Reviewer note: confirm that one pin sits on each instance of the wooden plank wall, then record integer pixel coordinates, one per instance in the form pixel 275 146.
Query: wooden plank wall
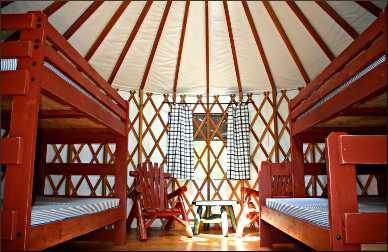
pixel 208 182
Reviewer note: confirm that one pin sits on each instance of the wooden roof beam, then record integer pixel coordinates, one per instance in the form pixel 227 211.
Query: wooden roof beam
pixel 283 34
pixel 53 7
pixel 234 54
pixel 130 39
pixel 77 24
pixel 338 19
pixel 181 42
pixel 369 6
pixel 311 30
pixel 107 29
pixel 5 3
pixel 259 45
pixel 155 45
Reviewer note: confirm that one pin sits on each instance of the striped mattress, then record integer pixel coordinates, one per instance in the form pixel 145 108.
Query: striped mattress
pixel 315 210
pixel 50 209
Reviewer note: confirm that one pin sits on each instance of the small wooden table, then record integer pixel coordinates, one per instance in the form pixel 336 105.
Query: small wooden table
pixel 226 210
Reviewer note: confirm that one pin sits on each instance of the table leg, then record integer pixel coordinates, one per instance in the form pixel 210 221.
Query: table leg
pixel 208 213
pixel 224 221
pixel 232 217
pixel 197 220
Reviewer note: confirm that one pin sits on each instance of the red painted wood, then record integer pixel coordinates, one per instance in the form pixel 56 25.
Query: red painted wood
pixel 297 166
pixel 19 178
pixel 340 77
pixel 16 49
pixel 14 82
pixel 369 6
pixel 82 19
pixel 44 236
pixel 54 7
pixel 342 193
pixel 106 30
pixel 55 85
pixel 128 44
pixel 45 114
pixel 155 44
pixel 362 42
pixel 8 224
pixel 353 149
pixel 310 234
pixel 79 169
pixel 365 228
pixel 259 44
pixel 17 21
pixel 150 199
pixel 11 150
pixel 369 85
pixel 73 136
pixel 59 62
pixel 63 46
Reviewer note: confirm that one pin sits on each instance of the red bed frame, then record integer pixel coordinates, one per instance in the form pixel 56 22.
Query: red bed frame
pixel 359 109
pixel 34 97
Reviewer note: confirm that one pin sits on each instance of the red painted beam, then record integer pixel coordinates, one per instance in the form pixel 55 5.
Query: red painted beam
pixel 82 19
pixel 107 29
pixel 155 45
pixel 365 228
pixel 370 149
pixel 79 169
pixel 54 7
pixel 17 21
pixel 11 150
pixel 131 38
pixel 16 49
pixel 14 82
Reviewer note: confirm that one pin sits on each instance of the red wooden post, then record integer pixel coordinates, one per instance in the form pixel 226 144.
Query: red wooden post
pixel 297 166
pixel 342 193
pixel 19 178
pixel 121 173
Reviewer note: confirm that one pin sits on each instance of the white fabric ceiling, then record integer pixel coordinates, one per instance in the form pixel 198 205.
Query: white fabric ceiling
pixel 192 74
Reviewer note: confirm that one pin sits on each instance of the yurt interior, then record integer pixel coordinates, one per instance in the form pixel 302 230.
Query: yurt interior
pixel 193 125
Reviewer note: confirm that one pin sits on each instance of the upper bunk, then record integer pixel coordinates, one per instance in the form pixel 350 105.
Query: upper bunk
pixel 350 93
pixel 72 93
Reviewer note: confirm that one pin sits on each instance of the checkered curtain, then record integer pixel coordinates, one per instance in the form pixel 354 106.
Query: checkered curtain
pixel 180 158
pixel 238 145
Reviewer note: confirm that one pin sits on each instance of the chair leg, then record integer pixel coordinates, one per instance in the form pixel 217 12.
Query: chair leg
pixel 142 231
pixel 131 216
pixel 185 218
pixel 168 224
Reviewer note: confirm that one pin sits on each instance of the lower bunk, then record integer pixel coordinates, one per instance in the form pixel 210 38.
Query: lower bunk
pixel 58 219
pixel 343 220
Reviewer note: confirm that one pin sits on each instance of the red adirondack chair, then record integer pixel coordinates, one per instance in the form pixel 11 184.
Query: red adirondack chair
pixel 150 200
pixel 250 214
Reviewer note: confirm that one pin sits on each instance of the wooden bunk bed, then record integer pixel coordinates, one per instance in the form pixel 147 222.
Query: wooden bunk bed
pixel 348 97
pixel 51 95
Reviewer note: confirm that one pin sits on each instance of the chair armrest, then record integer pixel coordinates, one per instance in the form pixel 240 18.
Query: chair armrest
pixel 250 191
pixel 135 174
pixel 179 191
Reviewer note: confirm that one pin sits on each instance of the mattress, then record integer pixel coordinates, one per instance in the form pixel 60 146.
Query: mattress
pixel 315 210
pixel 50 209
pixel 380 60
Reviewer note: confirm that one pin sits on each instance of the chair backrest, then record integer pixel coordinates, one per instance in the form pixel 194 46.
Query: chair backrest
pixel 150 181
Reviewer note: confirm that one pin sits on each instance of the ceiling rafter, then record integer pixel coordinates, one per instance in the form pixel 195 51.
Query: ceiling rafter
pixel 130 39
pixel 107 28
pixel 156 42
pixel 207 50
pixel 259 45
pixel 85 15
pixel 286 40
pixel 371 7
pixel 53 7
pixel 181 42
pixel 232 45
pixel 337 18
pixel 297 11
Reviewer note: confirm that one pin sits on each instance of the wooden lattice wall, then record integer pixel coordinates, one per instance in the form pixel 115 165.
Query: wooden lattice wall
pixel 210 177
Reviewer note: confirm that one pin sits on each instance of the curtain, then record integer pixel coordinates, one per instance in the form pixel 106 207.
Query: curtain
pixel 180 153
pixel 238 145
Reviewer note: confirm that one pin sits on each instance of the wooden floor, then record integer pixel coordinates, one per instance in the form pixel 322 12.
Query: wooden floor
pixel 175 240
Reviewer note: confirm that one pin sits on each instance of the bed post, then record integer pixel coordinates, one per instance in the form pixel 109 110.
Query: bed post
pixel 297 166
pixel 342 192
pixel 121 173
pixel 16 214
